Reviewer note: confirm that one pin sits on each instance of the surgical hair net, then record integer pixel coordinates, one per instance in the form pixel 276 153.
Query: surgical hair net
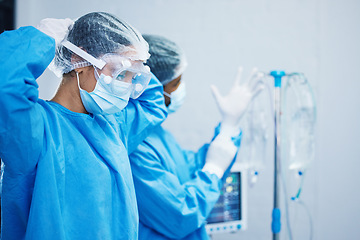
pixel 167 60
pixel 98 33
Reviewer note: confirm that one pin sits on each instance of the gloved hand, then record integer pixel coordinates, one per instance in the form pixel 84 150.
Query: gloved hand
pixel 220 155
pixel 55 28
pixel 233 106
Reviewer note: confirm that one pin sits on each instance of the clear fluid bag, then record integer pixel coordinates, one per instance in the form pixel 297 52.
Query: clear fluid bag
pixel 257 127
pixel 298 122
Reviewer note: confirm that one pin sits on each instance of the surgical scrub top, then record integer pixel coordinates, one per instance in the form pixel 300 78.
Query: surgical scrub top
pixel 67 175
pixel 174 195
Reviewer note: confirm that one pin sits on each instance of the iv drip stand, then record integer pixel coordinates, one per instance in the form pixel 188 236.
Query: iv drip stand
pixel 276 214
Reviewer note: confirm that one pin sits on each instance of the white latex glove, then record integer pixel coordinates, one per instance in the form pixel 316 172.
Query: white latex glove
pixel 55 28
pixel 220 154
pixel 233 106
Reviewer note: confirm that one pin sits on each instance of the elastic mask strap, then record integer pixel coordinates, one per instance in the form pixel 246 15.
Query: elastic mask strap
pixel 78 81
pixel 166 94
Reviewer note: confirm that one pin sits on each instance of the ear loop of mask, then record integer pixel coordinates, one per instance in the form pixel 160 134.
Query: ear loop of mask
pixel 167 94
pixel 78 81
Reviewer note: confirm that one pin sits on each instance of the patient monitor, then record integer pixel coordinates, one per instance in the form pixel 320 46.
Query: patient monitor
pixel 229 213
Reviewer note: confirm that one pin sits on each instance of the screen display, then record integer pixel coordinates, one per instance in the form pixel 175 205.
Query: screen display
pixel 228 207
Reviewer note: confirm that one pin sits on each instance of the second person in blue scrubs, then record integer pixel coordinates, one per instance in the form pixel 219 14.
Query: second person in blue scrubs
pixel 176 189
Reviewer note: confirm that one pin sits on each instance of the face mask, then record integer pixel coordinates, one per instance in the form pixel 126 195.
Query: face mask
pixel 103 102
pixel 177 98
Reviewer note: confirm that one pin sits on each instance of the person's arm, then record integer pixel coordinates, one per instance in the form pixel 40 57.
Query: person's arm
pixel 167 206
pixel 197 160
pixel 144 113
pixel 25 53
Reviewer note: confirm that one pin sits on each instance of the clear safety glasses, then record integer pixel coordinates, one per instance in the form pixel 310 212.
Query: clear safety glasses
pixel 133 74
pixel 121 74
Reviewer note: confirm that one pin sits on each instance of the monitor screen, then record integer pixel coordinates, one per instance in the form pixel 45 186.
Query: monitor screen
pixel 228 207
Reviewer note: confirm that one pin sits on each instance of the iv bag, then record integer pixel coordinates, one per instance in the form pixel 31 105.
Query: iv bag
pixel 256 128
pixel 299 117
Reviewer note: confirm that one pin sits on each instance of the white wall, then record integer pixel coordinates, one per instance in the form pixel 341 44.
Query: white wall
pixel 317 37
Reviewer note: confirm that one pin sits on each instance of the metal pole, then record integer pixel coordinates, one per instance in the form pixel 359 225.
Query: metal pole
pixel 276 214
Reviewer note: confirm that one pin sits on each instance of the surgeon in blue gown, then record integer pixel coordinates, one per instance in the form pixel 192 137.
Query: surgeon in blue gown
pixel 176 188
pixel 67 173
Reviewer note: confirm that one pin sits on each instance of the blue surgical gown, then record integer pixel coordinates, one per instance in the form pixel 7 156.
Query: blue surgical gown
pixel 67 175
pixel 174 195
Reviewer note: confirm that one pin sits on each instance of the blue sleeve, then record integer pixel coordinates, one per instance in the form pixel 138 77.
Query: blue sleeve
pixel 144 113
pixel 167 206
pixel 196 160
pixel 25 53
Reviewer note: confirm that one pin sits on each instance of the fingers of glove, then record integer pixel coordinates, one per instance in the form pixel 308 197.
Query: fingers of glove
pixel 253 77
pixel 248 81
pixel 256 79
pixel 217 95
pixel 238 76
pixel 257 90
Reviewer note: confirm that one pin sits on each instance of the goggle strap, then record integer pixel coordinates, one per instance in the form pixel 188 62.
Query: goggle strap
pixel 78 51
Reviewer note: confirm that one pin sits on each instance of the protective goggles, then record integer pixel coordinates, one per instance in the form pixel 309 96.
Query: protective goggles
pixel 116 69
pixel 121 69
